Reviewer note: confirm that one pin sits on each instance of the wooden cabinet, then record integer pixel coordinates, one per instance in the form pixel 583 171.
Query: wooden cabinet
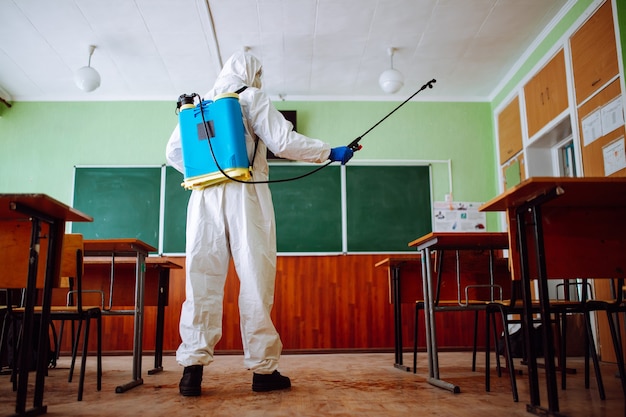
pixel 510 131
pixel 593 76
pixel 594 53
pixel 592 154
pixel 594 64
pixel 546 94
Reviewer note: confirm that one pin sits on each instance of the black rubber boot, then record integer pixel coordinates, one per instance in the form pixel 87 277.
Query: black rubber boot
pixel 190 383
pixel 269 382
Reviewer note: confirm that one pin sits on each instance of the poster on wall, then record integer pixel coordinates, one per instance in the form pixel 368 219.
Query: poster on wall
pixel 612 116
pixel 614 157
pixel 602 121
pixel 458 216
pixel 592 127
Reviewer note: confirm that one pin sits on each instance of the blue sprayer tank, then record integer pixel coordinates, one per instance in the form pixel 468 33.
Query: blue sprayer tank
pixel 222 120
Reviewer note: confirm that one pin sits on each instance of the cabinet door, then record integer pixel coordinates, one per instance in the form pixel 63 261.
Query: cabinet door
pixel 509 131
pixel 546 94
pixel 594 53
pixel 592 154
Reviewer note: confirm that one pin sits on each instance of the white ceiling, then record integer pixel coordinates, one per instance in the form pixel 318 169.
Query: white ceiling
pixel 159 49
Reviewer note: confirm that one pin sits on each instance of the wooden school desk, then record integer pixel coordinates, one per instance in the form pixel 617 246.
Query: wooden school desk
pixel 113 249
pixel 404 275
pixel 33 225
pixel 561 228
pixel 99 271
pixel 447 241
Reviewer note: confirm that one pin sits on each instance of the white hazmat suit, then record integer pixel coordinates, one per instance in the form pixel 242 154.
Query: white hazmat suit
pixel 235 219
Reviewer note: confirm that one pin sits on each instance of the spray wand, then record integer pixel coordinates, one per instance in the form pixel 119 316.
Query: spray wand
pixel 354 145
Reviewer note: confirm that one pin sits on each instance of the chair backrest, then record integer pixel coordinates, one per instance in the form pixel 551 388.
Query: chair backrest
pixel 476 266
pixel 72 269
pixel 15 237
pixel 71 265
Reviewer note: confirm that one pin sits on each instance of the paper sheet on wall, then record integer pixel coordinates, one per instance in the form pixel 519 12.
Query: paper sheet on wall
pixel 614 156
pixel 458 217
pixel 592 127
pixel 612 116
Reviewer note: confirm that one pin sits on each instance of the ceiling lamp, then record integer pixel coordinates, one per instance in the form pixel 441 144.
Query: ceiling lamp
pixel 391 80
pixel 87 78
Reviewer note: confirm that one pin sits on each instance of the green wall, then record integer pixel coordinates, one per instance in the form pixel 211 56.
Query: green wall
pixel 42 141
pixel 621 21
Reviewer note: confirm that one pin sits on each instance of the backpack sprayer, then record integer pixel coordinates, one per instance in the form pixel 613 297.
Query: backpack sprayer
pixel 220 120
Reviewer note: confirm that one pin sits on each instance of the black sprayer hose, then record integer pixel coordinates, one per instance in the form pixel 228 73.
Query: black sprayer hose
pixel 354 145
pixel 250 182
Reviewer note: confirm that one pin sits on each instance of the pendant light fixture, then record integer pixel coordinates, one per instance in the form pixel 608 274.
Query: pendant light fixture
pixel 391 80
pixel 87 78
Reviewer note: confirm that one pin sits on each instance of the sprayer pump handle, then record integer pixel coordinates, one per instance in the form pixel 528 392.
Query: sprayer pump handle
pixel 354 145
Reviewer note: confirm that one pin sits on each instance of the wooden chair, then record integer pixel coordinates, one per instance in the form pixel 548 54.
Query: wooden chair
pixel 72 270
pixel 612 308
pixel 4 332
pixel 467 295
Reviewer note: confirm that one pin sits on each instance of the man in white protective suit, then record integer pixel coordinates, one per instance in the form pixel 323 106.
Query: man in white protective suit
pixel 236 219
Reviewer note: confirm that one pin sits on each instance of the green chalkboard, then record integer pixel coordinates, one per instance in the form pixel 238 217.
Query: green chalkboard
pixel 387 207
pixel 124 202
pixel 307 210
pixel 175 212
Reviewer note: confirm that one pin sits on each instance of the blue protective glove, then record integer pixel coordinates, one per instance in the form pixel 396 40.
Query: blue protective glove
pixel 340 154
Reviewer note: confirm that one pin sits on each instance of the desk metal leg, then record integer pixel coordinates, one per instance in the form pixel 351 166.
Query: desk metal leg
pixel 533 207
pixel 397 318
pixel 548 345
pixel 431 334
pixel 27 323
pixel 53 267
pixel 527 316
pixel 55 234
pixel 160 321
pixel 138 325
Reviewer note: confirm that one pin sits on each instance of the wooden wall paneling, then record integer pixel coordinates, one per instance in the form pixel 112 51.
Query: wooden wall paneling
pixel 322 303
pixel 176 296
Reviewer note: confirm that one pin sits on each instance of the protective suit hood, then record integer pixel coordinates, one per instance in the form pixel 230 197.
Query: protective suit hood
pixel 240 69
